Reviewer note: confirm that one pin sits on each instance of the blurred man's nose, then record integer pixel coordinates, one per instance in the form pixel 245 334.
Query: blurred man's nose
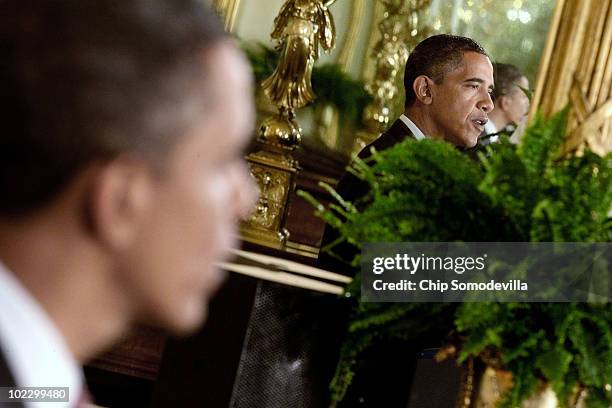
pixel 247 192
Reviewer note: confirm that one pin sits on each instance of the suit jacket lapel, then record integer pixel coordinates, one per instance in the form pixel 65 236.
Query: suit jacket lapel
pixel 399 130
pixel 395 134
pixel 6 377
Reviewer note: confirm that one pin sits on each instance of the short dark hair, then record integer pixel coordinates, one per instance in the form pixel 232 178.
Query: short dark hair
pixel 435 57
pixel 506 77
pixel 87 80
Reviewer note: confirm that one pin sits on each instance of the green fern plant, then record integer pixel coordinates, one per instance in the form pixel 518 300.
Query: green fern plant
pixel 427 191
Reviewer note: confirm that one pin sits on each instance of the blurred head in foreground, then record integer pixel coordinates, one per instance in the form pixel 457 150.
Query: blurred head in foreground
pixel 122 177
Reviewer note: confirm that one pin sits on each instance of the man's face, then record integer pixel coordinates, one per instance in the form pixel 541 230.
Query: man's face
pixel 460 103
pixel 195 204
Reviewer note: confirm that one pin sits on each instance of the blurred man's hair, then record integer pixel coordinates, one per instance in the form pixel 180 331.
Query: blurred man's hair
pixel 86 80
pixel 435 57
pixel 506 78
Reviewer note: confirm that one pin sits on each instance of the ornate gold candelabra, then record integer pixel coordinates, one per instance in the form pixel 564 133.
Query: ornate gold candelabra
pixel 399 28
pixel 300 29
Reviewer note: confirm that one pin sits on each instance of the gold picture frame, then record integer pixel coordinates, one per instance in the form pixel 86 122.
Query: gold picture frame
pixel 576 69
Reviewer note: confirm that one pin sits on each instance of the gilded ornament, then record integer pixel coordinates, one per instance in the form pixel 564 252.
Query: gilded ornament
pixel 300 28
pixel 397 28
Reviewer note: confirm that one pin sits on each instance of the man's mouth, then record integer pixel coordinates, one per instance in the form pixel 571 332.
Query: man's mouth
pixel 479 123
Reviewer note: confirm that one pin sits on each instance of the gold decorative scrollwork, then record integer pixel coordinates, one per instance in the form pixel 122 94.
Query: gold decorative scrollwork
pixel 275 176
pixel 272 197
pixel 399 28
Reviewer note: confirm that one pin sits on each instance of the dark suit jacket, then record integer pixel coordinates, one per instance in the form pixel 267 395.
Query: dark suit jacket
pixel 352 188
pixel 7 379
pixel 388 369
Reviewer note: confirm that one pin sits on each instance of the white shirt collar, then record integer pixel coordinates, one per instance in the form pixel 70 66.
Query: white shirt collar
pixel 418 135
pixel 35 350
pixel 489 129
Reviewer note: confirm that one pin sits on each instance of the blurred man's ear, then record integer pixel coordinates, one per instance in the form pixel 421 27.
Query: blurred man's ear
pixel 422 90
pixel 121 196
pixel 504 102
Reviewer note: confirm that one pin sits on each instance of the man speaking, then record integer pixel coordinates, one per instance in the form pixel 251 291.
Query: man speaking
pixel 448 83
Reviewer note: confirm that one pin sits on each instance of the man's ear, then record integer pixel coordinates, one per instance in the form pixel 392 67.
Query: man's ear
pixel 422 90
pixel 504 103
pixel 120 197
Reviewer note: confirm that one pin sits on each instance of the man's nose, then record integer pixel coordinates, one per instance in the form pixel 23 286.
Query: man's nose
pixel 486 103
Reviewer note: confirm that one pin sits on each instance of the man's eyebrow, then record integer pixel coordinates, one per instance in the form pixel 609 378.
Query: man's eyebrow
pixel 479 80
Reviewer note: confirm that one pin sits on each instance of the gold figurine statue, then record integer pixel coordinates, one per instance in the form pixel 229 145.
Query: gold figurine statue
pixel 300 28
